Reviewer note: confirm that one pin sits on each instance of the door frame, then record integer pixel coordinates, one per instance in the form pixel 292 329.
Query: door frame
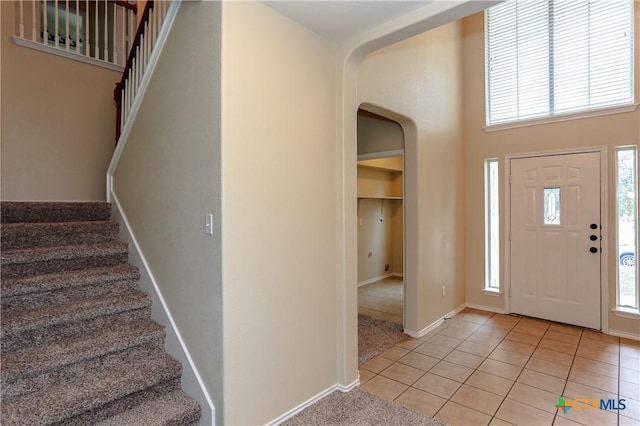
pixel 396 153
pixel 604 220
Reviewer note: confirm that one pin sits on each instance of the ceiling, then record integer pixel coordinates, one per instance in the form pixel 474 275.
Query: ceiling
pixel 340 20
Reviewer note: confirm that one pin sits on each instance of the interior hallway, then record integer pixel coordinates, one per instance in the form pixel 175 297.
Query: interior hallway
pixel 481 368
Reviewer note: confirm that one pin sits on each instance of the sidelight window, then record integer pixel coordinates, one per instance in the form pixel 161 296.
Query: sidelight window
pixel 627 230
pixel 492 226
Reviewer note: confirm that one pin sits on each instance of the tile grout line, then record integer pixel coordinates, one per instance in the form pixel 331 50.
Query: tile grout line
pixel 476 369
pixel 450 350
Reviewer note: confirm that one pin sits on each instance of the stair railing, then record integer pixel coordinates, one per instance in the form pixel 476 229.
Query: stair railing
pixel 125 92
pixel 96 31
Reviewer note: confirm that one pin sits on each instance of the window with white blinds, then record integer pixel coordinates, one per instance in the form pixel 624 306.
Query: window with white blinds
pixel 558 56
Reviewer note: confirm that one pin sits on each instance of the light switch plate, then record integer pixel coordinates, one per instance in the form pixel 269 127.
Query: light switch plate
pixel 208 224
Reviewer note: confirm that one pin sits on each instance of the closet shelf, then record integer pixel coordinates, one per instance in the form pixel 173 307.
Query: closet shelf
pixel 377 197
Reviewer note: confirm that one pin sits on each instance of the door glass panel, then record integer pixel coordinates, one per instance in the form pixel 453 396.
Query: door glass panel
pixel 551 197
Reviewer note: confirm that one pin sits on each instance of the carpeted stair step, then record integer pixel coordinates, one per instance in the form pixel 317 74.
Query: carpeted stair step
pixel 30 235
pixel 78 345
pixel 17 322
pixel 68 351
pixel 125 403
pixel 62 280
pixel 52 333
pixel 93 393
pixel 25 211
pixel 48 260
pixel 175 408
pixel 54 378
pixel 18 294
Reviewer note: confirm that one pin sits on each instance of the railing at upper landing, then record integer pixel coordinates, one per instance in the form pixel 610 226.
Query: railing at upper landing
pixel 144 43
pixel 99 32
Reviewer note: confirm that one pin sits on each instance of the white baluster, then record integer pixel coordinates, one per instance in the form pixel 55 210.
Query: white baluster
pixel 21 19
pixel 132 34
pixel 137 68
pixel 56 26
pixel 130 86
pixel 78 27
pixel 115 32
pixel 129 90
pixel 150 35
pixel 143 49
pixel 45 19
pixel 87 46
pixel 33 20
pixel 66 20
pixel 135 77
pixel 146 45
pixel 123 99
pixel 96 51
pixel 158 24
pixel 106 36
pixel 123 31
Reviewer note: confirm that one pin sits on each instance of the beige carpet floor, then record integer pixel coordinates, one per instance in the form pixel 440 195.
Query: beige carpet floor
pixel 358 408
pixel 376 336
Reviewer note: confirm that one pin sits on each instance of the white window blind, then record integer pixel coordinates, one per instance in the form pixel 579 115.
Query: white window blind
pixel 557 56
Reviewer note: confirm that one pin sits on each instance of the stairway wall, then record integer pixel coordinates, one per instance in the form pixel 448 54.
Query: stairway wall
pixel 58 122
pixel 168 178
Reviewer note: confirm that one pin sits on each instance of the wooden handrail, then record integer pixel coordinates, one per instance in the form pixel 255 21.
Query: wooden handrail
pixel 126 5
pixel 117 92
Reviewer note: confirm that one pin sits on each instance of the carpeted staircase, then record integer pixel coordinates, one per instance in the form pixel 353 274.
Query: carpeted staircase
pixel 77 339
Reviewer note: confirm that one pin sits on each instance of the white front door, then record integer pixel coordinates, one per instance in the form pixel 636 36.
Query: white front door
pixel 555 238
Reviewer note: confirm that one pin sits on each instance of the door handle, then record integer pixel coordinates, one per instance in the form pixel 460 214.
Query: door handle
pixel 593 250
pixel 594 226
pixel 593 237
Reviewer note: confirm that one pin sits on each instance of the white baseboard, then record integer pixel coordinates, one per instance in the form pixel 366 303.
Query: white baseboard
pixel 191 382
pixel 397 274
pixel 350 387
pixel 312 400
pixel 374 279
pixel 485 308
pixel 624 334
pixel 436 323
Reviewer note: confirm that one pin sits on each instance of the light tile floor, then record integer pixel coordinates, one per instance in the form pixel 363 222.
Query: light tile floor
pixel 382 299
pixel 481 368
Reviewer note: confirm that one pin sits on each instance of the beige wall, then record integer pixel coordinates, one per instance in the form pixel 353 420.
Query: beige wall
pixel 375 238
pixel 58 123
pixel 397 233
pixel 379 243
pixel 421 79
pixel 168 178
pixel 609 131
pixel 279 192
